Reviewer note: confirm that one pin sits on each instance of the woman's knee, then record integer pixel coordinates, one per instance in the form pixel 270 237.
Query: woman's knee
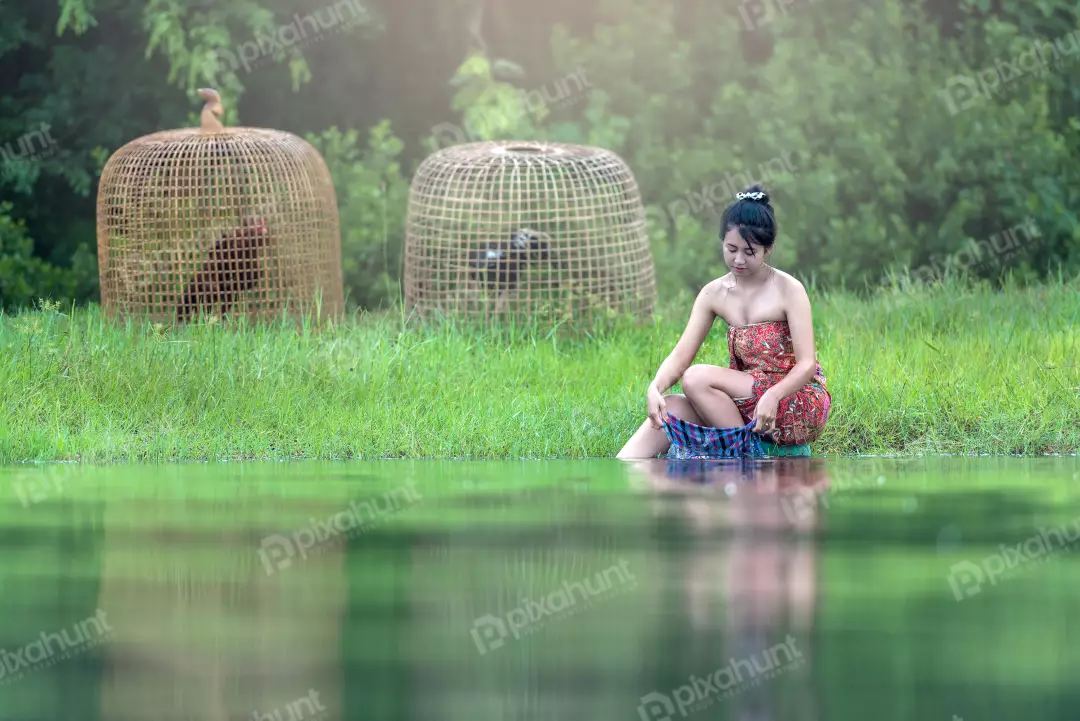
pixel 700 381
pixel 681 407
pixel 695 380
pixel 705 382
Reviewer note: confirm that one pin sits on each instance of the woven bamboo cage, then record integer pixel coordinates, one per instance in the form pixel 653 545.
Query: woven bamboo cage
pixel 526 229
pixel 218 221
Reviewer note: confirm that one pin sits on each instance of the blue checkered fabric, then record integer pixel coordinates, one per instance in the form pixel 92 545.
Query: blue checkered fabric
pixel 689 440
pixel 693 470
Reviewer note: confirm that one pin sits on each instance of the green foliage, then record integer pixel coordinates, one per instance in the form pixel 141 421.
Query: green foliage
pixel 75 14
pixel 25 277
pixel 490 107
pixel 847 110
pixel 372 199
pixel 847 121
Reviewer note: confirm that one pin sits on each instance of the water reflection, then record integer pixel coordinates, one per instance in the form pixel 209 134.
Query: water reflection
pixel 547 593
pixel 51 636
pixel 559 603
pixel 202 629
pixel 744 558
pixel 527 606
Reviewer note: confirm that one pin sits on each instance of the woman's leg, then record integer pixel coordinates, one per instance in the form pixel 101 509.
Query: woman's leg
pixel 711 388
pixel 648 441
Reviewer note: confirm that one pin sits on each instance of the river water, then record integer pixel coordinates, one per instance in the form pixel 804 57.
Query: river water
pixel 841 590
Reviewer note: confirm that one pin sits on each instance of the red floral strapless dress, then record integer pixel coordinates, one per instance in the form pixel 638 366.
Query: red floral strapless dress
pixel 764 350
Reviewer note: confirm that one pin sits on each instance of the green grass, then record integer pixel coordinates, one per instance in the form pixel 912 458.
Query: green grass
pixel 918 370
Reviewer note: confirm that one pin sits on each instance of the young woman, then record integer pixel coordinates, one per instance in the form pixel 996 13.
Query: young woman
pixel 774 378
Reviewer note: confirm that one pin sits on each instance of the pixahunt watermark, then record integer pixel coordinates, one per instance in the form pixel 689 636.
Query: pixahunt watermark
pixel 800 503
pixel 965 91
pixel 278 551
pixel 305 708
pixel 36 144
pixel 966 579
pixel 731 678
pixel 489 632
pixel 716 196
pixel 561 93
pixel 33 488
pixel 304 30
pixel 757 14
pixel 52 648
pixel 988 253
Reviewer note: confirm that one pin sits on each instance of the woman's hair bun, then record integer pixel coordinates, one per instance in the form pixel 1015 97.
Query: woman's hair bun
pixel 752 213
pixel 755 193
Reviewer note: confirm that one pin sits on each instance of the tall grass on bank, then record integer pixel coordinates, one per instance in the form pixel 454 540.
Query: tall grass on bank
pixel 942 369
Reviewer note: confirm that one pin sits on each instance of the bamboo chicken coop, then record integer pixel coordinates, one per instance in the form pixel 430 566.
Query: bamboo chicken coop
pixel 218 221
pixel 509 228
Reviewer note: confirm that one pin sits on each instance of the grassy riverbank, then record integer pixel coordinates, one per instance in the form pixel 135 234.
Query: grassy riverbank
pixel 926 370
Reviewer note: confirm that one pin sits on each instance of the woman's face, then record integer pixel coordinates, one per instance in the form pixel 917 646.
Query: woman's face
pixel 743 258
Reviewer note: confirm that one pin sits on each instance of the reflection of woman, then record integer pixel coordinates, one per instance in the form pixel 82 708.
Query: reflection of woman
pixel 771 585
pixel 202 630
pixel 764 578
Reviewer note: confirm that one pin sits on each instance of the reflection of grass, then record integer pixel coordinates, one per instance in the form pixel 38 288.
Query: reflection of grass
pixel 893 610
pixel 930 370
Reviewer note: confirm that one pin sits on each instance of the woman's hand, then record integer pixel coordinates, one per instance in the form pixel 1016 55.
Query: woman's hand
pixel 657 406
pixel 765 413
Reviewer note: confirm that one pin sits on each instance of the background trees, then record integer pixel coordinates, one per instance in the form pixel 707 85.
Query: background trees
pixel 894 134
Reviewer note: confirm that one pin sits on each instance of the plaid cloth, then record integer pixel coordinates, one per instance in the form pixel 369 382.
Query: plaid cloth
pixel 694 470
pixel 689 440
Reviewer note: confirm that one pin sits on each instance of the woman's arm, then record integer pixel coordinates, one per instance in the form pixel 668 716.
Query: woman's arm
pixel 698 326
pixel 801 323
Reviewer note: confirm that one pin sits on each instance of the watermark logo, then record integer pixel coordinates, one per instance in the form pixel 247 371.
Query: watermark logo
pixel 305 708
pixel 34 488
pixel 560 93
pixel 756 14
pixel 966 91
pixel 301 32
pixel 960 93
pixel 52 648
pixel 571 89
pixel 278 551
pixel 967 579
pixel 736 675
pixel 716 196
pixel 800 503
pixel 489 632
pixel 991 252
pixel 36 144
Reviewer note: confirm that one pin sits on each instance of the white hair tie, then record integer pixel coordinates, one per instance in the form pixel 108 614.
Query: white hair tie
pixel 757 195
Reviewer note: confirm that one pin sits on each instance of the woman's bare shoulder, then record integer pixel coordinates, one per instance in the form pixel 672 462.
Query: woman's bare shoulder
pixel 715 290
pixel 795 299
pixel 786 278
pixel 720 285
pixel 789 284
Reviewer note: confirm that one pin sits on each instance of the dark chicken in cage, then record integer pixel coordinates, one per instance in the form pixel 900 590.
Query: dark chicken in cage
pixel 498 265
pixel 526 229
pixel 233 266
